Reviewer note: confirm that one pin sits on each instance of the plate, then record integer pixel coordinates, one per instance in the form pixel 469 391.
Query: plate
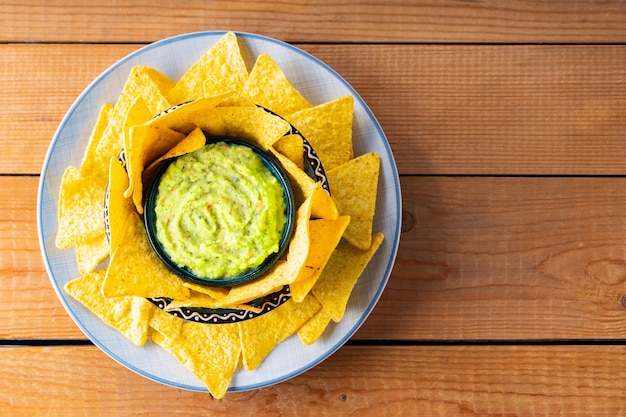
pixel 318 83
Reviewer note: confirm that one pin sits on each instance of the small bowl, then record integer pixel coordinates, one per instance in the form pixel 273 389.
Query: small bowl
pixel 150 221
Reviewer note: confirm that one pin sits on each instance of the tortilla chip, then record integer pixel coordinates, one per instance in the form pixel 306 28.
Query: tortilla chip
pixel 80 216
pixel 324 237
pixel 328 128
pixel 179 118
pixel 91 253
pixel 217 293
pixel 165 323
pixel 301 183
pixel 135 269
pixel 210 351
pixel 146 145
pixel 279 275
pixel 249 123
pixel 119 207
pixel 314 328
pixel 345 266
pixel 91 164
pixel 322 205
pixel 129 315
pixel 262 334
pixel 291 146
pixel 268 86
pixel 192 142
pixel 354 186
pixel 223 62
pixel 144 82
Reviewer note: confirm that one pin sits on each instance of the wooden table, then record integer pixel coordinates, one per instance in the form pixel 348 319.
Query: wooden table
pixel 508 124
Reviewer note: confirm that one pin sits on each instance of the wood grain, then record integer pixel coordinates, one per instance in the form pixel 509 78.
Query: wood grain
pixel 374 381
pixel 451 109
pixel 481 259
pixel 531 21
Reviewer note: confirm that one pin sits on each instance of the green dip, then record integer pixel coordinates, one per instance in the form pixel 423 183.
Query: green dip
pixel 219 211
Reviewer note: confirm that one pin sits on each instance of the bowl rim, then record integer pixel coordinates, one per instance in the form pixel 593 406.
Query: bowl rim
pixel 274 166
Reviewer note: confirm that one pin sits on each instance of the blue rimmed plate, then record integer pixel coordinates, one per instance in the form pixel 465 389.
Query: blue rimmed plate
pixel 318 83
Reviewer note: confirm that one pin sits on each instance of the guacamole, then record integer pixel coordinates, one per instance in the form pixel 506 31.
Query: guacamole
pixel 219 211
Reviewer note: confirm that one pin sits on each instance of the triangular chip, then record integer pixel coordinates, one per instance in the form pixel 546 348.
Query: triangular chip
pixel 118 206
pixel 129 315
pixel 165 323
pixel 179 117
pixel 192 142
pixel 341 273
pixel 144 82
pixel 135 269
pixel 262 334
pixel 268 86
pixel 222 62
pixel 146 145
pixel 328 128
pixel 210 351
pixel 80 216
pixel 279 275
pixel 91 164
pixel 301 183
pixel 354 186
pixel 91 253
pixel 324 236
pixel 292 147
pixel 314 328
pixel 322 205
pixel 217 293
pixel 249 123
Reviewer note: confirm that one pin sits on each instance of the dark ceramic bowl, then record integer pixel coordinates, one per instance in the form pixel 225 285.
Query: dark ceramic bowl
pixel 150 221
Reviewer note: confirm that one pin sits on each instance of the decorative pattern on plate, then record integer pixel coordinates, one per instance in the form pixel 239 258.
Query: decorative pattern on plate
pixel 258 307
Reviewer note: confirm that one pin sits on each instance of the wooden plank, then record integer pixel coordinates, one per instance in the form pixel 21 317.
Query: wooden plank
pixel 523 381
pixel 480 258
pixel 469 110
pixel 32 309
pixel 319 21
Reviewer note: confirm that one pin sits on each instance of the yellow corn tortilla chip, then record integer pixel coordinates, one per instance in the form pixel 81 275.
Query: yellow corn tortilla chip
pixel 129 315
pixel 165 323
pixel 119 207
pixel 249 123
pixel 217 293
pixel 301 183
pixel 353 187
pixel 279 275
pixel 322 205
pixel 195 299
pixel 91 253
pixel 80 216
pixel 324 237
pixel 146 144
pixel 192 142
pixel 223 62
pixel 314 328
pixel 212 88
pixel 291 147
pixel 268 86
pixel 328 128
pixel 134 268
pixel 335 284
pixel 179 117
pixel 262 334
pixel 91 164
pixel 144 82
pixel 210 351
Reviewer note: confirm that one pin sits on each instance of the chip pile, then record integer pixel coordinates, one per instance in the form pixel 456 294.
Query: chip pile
pixel 156 118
